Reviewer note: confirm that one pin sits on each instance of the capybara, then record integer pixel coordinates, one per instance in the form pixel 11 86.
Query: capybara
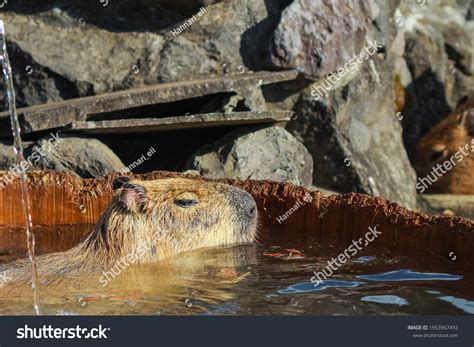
pixel 444 157
pixel 147 221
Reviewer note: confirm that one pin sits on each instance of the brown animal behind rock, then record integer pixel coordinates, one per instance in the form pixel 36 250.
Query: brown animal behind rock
pixel 148 221
pixel 451 140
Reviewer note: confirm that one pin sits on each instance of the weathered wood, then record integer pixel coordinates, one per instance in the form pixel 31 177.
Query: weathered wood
pixel 59 114
pixel 180 122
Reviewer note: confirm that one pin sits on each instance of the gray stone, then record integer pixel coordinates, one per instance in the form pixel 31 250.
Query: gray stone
pixel 269 153
pixel 354 136
pixel 318 37
pixel 88 60
pixel 439 56
pixel 84 157
pixel 7 155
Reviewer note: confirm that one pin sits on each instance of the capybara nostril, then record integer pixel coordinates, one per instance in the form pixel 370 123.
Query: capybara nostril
pixel 247 203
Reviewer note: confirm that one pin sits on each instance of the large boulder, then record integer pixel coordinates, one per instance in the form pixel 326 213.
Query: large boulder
pixel 89 60
pixel 355 137
pixel 351 128
pixel 270 153
pixel 318 37
pixel 79 156
pixel 84 157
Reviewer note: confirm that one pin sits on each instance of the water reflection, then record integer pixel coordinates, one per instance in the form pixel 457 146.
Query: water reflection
pixel 245 280
pixel 409 275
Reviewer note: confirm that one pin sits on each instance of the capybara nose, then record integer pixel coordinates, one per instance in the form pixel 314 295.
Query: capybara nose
pixel 247 203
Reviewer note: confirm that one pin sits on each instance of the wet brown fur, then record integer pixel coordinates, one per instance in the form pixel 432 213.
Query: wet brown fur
pixel 441 143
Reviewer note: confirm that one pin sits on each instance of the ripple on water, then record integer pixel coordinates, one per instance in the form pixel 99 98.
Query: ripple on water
pixel 408 275
pixel 364 259
pixel 386 299
pixel 463 304
pixel 307 287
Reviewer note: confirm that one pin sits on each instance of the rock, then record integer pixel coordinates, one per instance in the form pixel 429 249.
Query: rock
pixel 90 60
pixel 182 57
pixel 438 54
pixel 352 130
pixel 84 157
pixel 318 37
pixel 355 137
pixel 7 156
pixel 269 153
pixel 35 84
pixel 104 49
pixel 227 39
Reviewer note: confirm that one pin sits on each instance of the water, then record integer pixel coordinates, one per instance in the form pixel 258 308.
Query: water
pixel 268 278
pixel 19 159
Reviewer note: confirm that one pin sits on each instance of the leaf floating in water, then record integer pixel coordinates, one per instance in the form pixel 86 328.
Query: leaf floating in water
pixel 408 275
pixel 287 254
pixel 241 277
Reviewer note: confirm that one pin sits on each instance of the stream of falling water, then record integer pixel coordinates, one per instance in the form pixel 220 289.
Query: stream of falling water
pixel 18 148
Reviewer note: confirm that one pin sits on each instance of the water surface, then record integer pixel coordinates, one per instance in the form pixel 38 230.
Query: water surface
pixel 269 278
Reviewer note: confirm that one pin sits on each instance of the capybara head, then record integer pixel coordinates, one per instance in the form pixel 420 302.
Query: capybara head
pixel 449 147
pixel 168 216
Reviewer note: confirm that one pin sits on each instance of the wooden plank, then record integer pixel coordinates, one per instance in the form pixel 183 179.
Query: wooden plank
pixel 180 122
pixel 59 114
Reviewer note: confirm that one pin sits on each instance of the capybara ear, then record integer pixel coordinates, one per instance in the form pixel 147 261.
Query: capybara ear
pixel 467 120
pixel 133 195
pixel 119 182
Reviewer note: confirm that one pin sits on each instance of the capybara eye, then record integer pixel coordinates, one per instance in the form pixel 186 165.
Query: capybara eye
pixel 438 151
pixel 185 203
pixel 436 155
pixel 120 181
